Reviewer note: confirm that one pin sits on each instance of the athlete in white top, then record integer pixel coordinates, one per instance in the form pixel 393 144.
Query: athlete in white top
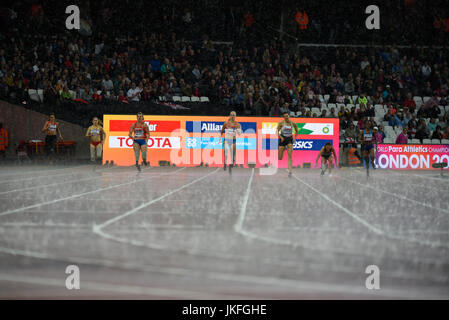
pixel 231 129
pixel 287 138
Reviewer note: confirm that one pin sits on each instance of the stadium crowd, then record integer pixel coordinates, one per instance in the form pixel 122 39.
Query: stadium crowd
pixel 258 73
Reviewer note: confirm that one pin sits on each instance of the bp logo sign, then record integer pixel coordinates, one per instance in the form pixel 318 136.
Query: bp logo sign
pixel 326 130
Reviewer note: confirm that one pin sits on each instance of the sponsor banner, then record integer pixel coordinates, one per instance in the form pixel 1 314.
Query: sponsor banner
pixel 403 156
pixel 215 126
pixel 318 129
pixel 300 144
pixel 216 143
pixel 154 126
pixel 198 141
pixel 153 142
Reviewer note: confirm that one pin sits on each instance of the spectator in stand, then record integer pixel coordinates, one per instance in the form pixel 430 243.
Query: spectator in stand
pixel 409 103
pixel 432 125
pixel 133 93
pixel 445 135
pixel 422 131
pixel 65 94
pixel 382 132
pixel 332 113
pixel 363 100
pixel 122 98
pixel 437 133
pixel 402 138
pixel 377 136
pixel 407 118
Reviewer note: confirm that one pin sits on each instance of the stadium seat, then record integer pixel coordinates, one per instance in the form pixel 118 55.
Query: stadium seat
pixel 444 141
pixel 418 101
pixel 176 99
pixel 435 141
pixel 354 98
pixel 415 141
pixel 326 97
pixel 349 106
pixel 204 99
pixel 298 114
pixel 40 93
pixel 389 141
pixel 185 99
pixel 332 105
pixel 194 99
pixel 292 114
pixel 425 99
pixel 320 96
pixel 33 95
pixel 316 110
pixel 427 141
pixel 446 108
pixel 73 93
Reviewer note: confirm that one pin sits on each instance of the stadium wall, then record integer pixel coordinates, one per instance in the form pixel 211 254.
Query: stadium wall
pixel 26 124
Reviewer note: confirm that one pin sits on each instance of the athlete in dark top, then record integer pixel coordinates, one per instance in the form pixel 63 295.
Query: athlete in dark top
pixel 326 156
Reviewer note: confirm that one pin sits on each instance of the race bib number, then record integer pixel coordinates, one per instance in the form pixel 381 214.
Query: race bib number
pixel 138 133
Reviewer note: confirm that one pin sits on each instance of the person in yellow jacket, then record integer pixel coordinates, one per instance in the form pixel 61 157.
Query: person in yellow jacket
pixel 3 141
pixel 97 137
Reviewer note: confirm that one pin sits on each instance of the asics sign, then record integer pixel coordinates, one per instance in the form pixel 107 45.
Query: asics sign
pixel 300 144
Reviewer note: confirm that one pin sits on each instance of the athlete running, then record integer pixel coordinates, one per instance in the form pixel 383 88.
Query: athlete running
pixel 286 139
pixel 367 139
pixel 97 137
pixel 141 134
pixel 51 128
pixel 231 129
pixel 326 158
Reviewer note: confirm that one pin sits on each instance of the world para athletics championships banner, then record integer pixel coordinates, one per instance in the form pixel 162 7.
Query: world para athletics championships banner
pixel 192 140
pixel 409 156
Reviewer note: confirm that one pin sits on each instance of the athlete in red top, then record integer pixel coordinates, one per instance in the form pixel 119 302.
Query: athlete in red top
pixel 141 134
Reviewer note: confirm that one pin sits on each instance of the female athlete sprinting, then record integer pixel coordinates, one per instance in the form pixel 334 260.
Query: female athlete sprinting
pixel 97 137
pixel 51 128
pixel 367 138
pixel 326 158
pixel 141 134
pixel 230 128
pixel 286 139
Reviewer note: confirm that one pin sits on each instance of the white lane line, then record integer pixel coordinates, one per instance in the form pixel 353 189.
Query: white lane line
pixel 97 228
pixel 348 212
pixel 48 185
pixel 424 175
pixel 410 184
pixel 100 177
pixel 75 196
pixel 121 289
pixel 51 175
pixel 397 195
pixel 299 286
pixel 240 220
pixel 41 171
pixel 368 225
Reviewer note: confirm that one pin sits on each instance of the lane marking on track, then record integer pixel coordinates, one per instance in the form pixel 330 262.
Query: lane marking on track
pixel 74 196
pixel 97 228
pixel 399 196
pixel 367 224
pixel 300 286
pixel 123 289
